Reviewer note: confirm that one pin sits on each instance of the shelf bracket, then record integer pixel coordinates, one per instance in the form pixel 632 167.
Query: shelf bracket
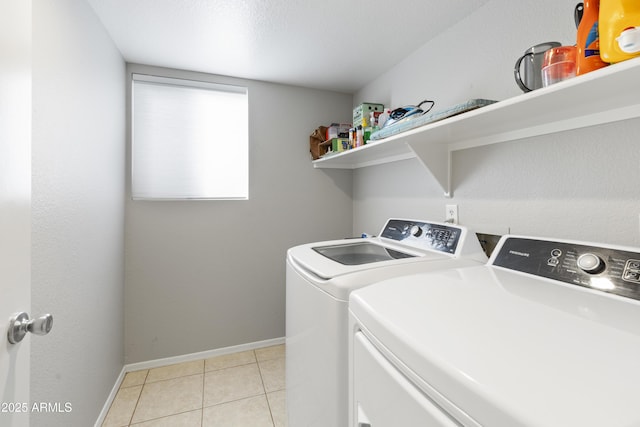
pixel 436 158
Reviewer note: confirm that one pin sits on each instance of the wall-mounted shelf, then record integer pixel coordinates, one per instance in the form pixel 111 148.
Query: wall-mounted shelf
pixel 602 96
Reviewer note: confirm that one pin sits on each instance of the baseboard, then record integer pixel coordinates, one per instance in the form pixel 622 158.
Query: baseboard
pixel 157 363
pixel 110 398
pixel 201 355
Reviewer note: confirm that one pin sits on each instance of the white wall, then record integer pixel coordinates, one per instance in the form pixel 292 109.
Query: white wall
pixel 203 275
pixel 78 210
pixel 579 184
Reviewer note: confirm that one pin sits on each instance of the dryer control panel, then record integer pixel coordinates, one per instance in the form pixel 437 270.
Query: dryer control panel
pixel 423 235
pixel 605 269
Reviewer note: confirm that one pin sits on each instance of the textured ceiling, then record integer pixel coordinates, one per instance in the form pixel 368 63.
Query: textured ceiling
pixel 328 44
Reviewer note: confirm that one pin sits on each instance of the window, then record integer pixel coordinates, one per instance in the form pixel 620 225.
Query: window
pixel 189 139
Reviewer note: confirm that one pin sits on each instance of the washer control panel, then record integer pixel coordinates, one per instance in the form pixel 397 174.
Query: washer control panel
pixel 424 235
pixel 605 269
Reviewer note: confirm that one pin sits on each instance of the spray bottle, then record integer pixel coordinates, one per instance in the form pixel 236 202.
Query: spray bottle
pixel 382 118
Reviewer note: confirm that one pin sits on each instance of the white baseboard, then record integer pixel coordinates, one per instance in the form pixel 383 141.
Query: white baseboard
pixel 110 398
pixel 157 363
pixel 201 355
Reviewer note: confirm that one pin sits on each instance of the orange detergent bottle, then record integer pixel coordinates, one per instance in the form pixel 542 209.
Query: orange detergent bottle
pixel 588 42
pixel 619 29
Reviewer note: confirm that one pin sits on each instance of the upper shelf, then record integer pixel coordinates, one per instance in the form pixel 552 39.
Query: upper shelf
pixel 602 96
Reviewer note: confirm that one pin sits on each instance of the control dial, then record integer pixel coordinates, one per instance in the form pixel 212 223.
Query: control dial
pixel 416 231
pixel 591 263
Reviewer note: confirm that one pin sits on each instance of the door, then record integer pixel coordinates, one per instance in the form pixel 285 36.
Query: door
pixel 15 200
pixel 384 397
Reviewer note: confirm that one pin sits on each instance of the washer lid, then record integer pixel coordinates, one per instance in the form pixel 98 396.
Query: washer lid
pixel 335 258
pixel 510 349
pixel 360 253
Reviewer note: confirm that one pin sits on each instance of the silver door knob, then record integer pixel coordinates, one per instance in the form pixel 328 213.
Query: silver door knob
pixel 20 324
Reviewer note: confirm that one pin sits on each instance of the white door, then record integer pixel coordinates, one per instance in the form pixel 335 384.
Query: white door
pixel 15 200
pixel 384 397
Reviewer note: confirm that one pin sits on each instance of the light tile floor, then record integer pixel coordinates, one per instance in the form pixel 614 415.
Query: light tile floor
pixel 245 389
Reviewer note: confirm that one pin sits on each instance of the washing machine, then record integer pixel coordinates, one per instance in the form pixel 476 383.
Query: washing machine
pixel 546 334
pixel 319 279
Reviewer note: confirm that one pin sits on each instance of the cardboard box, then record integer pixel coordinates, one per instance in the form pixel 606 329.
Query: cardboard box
pixel 338 130
pixel 364 110
pixel 339 144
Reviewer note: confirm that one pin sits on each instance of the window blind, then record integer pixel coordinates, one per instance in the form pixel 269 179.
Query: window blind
pixel 189 139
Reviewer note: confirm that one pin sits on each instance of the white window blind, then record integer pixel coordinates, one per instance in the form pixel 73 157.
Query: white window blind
pixel 190 140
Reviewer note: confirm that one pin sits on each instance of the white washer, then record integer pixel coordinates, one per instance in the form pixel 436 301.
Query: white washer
pixel 320 277
pixel 546 334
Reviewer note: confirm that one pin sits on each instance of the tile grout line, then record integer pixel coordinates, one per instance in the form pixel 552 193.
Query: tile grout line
pixel 138 399
pixel 273 422
pixel 170 379
pixel 238 399
pixel 204 374
pixel 162 417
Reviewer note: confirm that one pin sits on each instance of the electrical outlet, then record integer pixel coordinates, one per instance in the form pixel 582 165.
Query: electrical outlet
pixel 451 214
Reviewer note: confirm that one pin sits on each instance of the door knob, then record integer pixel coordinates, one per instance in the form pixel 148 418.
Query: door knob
pixel 20 324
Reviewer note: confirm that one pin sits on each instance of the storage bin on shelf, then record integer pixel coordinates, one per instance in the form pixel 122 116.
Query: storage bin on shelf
pixel 324 139
pixel 317 142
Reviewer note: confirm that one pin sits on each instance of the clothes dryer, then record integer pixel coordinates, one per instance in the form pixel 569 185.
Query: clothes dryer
pixel 320 277
pixel 547 333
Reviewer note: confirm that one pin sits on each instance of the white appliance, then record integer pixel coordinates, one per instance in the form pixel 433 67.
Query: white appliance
pixel 320 277
pixel 547 333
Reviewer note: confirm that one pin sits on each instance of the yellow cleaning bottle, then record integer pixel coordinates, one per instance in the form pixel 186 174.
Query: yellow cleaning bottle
pixel 619 30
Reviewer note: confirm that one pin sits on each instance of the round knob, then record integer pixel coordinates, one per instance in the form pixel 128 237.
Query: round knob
pixel 590 263
pixel 19 325
pixel 416 231
pixel 40 326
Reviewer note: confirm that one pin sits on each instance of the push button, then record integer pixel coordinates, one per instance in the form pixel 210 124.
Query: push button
pixel 632 271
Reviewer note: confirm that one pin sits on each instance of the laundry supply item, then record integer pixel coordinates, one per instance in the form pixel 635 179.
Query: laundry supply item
pixel 338 130
pixel 382 118
pixel 619 30
pixel 588 40
pixel 339 144
pixel 363 110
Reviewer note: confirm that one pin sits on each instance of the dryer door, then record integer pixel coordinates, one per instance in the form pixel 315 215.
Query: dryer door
pixel 385 398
